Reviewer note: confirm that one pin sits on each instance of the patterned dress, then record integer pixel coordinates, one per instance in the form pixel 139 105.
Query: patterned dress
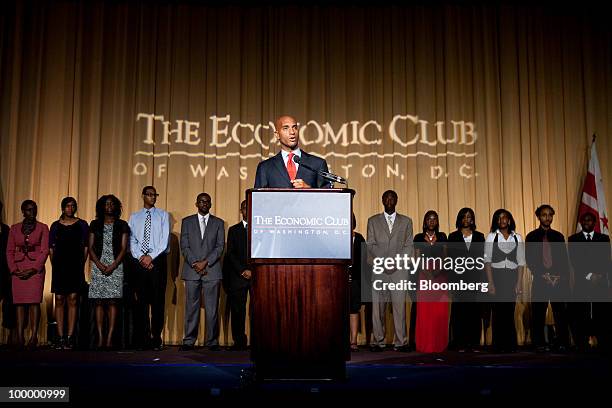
pixel 103 286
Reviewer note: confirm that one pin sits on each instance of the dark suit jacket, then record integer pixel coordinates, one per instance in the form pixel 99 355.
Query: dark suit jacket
pixel 197 249
pixel 235 261
pixel 533 255
pixel 476 250
pixel 272 173
pixel 587 259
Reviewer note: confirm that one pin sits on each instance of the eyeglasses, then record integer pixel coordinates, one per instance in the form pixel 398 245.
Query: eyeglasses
pixel 151 195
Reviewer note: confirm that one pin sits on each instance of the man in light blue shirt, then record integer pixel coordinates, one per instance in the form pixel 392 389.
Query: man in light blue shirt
pixel 149 244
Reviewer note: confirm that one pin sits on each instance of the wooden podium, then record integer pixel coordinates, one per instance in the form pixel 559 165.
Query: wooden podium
pixel 300 302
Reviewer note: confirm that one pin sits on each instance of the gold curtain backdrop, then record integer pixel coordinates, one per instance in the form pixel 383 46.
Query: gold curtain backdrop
pixel 449 105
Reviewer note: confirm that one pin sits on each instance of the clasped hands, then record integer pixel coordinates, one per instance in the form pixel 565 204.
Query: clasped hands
pixel 106 269
pixel 146 262
pixel 26 273
pixel 200 266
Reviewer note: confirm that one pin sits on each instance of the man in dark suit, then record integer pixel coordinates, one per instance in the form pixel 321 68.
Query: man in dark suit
pixel 547 260
pixel 202 242
pixel 590 257
pixel 281 171
pixel 237 274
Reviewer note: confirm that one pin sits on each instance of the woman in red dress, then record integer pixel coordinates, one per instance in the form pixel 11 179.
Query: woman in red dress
pixel 432 310
pixel 26 254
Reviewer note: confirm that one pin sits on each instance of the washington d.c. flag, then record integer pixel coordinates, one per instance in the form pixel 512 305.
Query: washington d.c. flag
pixel 593 199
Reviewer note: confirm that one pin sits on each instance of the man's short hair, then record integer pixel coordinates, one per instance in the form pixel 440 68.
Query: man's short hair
pixel 541 208
pixel 144 189
pixel 393 193
pixel 203 195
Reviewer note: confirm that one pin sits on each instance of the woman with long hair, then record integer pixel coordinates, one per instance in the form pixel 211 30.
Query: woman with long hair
pixel 466 242
pixel 108 242
pixel 504 262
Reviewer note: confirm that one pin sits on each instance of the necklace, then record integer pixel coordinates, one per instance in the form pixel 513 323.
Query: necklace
pixel 430 237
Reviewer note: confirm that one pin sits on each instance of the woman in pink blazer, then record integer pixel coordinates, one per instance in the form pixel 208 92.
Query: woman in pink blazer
pixel 26 253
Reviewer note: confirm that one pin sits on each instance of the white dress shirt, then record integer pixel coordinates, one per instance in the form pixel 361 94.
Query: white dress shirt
pixel 200 218
pixel 390 217
pixel 468 240
pixel 296 152
pixel 507 247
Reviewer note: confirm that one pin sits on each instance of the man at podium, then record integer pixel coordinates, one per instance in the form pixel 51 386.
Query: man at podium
pixel 291 167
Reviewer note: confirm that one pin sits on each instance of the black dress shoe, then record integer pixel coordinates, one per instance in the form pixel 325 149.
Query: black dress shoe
pixel 376 348
pixel 403 349
pixel 187 347
pixel 214 348
pixel 237 347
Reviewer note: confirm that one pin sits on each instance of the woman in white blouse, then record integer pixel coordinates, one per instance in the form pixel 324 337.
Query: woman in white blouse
pixel 504 263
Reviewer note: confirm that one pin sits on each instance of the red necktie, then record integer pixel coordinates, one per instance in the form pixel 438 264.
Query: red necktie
pixel 546 252
pixel 291 167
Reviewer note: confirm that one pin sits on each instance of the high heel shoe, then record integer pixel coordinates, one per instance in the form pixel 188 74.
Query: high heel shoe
pixel 69 343
pixel 60 344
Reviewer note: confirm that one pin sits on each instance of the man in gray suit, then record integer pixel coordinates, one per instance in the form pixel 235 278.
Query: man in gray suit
pixel 202 241
pixel 389 234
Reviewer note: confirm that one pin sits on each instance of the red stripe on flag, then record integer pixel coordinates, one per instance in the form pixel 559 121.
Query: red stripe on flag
pixel 589 186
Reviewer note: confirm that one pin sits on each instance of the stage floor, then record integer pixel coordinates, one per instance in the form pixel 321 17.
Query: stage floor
pixel 171 375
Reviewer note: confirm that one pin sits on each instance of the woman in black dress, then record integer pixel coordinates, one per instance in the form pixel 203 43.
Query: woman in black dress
pixel 68 241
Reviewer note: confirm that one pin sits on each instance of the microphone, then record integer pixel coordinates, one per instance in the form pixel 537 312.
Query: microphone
pixel 327 176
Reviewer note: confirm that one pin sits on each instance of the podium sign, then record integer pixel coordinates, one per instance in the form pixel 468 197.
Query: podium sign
pixel 300 246
pixel 297 225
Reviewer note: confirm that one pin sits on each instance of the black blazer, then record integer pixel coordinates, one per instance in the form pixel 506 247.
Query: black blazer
pixel 533 253
pixel 587 259
pixel 235 261
pixel 272 173
pixel 120 227
pixel 476 250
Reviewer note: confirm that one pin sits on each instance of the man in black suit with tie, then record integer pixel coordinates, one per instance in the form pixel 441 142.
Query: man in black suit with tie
pixel 547 260
pixel 591 307
pixel 282 171
pixel 237 274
